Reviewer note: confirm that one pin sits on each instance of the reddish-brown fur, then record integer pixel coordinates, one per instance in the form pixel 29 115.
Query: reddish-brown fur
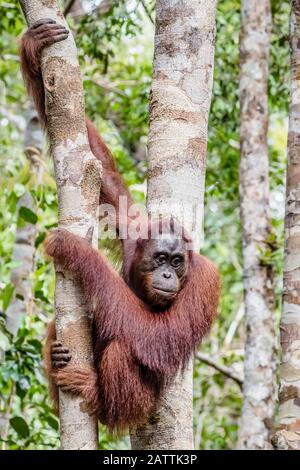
pixel 30 67
pixel 136 350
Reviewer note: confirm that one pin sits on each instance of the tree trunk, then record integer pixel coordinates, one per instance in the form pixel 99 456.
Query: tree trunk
pixel 288 436
pixel 78 183
pixel 180 102
pixel 24 248
pixel 260 364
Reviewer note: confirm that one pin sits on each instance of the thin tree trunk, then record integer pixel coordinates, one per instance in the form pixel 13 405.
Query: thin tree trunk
pixel 288 436
pixel 78 183
pixel 180 102
pixel 260 363
pixel 24 248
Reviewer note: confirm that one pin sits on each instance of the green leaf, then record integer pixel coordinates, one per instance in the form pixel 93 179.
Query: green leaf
pixel 20 392
pixel 40 238
pixel 20 426
pixel 27 215
pixel 7 295
pixel 36 344
pixel 39 294
pixel 52 422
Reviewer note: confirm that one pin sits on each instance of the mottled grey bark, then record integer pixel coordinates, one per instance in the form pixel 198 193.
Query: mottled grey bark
pixel 78 183
pixel 288 436
pixel 260 364
pixel 180 102
pixel 24 248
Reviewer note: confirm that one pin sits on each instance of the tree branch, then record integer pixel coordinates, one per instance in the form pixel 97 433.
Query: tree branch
pixel 68 6
pixel 147 11
pixel 220 368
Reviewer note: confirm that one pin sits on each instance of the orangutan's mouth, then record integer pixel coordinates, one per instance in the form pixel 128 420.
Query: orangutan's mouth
pixel 165 293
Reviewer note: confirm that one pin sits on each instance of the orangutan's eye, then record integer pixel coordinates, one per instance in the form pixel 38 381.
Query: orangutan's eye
pixel 176 261
pixel 161 258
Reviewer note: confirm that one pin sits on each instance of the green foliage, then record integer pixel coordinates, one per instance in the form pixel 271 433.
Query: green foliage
pixel 27 215
pixel 20 426
pixel 115 51
pixel 32 424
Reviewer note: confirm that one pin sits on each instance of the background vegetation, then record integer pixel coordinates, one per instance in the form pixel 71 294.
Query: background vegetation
pixel 115 52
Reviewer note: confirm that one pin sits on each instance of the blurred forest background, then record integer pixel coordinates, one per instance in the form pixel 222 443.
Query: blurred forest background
pixel 115 47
